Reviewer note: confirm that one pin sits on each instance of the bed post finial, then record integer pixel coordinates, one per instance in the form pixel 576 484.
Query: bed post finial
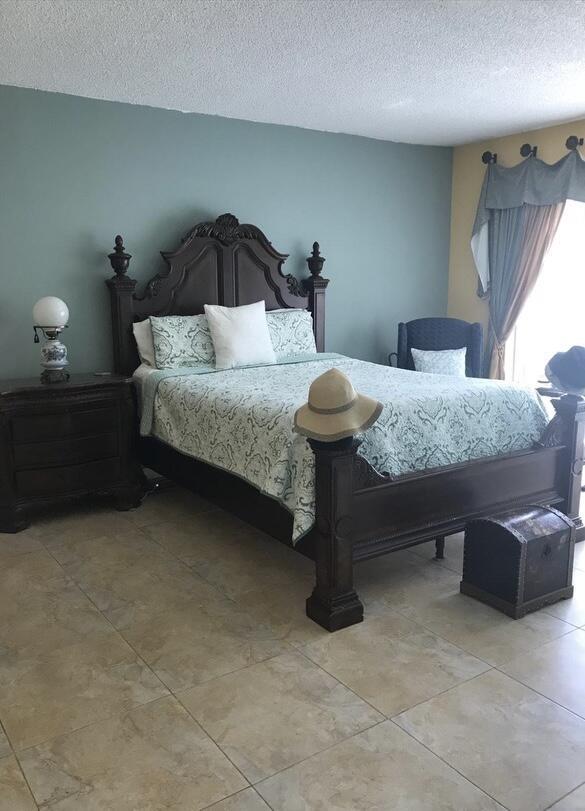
pixel 315 287
pixel 121 289
pixel 119 259
pixel 315 260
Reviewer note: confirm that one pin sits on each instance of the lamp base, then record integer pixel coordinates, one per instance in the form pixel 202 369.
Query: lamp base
pixel 54 376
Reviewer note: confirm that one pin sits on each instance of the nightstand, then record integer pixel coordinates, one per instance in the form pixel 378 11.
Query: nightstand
pixel 66 439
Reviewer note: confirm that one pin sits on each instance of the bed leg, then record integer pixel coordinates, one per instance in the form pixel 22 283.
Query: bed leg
pixel 440 547
pixel 334 603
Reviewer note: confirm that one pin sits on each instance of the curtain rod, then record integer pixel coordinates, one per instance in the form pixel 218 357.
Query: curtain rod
pixel 527 150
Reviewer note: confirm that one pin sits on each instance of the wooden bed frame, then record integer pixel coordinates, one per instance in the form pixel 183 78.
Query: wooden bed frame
pixel 360 513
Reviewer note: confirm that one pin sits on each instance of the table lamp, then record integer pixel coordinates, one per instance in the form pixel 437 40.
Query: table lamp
pixel 50 316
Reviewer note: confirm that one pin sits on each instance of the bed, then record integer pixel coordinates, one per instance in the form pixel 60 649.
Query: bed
pixel 492 446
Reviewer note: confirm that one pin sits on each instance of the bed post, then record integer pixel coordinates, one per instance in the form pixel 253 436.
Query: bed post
pixel 568 426
pixel 315 287
pixel 121 289
pixel 334 603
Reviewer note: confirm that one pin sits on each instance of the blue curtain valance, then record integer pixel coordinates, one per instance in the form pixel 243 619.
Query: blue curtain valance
pixel 534 182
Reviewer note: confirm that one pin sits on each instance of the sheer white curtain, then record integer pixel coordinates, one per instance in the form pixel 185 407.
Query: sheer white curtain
pixel 553 318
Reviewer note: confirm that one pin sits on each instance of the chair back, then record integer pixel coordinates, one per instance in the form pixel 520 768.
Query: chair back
pixel 436 334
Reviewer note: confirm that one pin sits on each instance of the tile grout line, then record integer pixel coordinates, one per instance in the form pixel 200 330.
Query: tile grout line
pixel 339 681
pixel 45 741
pixel 570 629
pixel 190 567
pixel 18 763
pixel 320 752
pixel 247 528
pixel 544 611
pixel 110 623
pixel 568 794
pixel 449 765
pixel 497 669
pixel 443 638
pixel 442 693
pixel 235 794
pixel 418 703
pixel 216 744
pixel 356 734
pixel 381 721
pixel 538 693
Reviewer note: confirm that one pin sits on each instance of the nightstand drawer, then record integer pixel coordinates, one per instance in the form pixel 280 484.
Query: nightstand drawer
pixel 63 423
pixel 68 451
pixel 70 479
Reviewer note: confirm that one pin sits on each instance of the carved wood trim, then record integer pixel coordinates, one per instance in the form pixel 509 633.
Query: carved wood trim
pixel 364 475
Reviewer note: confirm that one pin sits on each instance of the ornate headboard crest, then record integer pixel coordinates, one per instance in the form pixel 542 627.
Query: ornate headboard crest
pixel 226 228
pixel 221 262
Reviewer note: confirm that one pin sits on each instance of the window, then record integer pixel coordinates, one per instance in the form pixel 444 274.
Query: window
pixel 553 318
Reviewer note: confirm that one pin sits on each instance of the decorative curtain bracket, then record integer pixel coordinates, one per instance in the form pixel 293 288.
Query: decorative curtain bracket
pixel 489 157
pixel 573 142
pixel 527 151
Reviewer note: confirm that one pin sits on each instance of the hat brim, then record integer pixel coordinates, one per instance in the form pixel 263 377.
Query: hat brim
pixel 331 427
pixel 559 385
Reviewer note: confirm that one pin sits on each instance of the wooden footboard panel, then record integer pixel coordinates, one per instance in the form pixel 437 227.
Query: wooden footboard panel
pixel 416 508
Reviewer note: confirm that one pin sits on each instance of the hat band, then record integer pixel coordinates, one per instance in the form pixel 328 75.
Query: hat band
pixel 336 410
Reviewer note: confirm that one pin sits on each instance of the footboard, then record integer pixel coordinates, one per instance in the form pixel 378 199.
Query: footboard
pixel 361 513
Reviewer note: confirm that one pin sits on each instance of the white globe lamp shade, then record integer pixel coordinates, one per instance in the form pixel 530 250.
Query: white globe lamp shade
pixel 50 311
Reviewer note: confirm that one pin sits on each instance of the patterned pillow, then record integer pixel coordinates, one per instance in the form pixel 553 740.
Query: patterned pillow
pixel 181 340
pixel 291 332
pixel 444 362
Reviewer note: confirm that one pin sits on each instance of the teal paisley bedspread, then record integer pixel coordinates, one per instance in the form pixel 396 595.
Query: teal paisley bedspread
pixel 241 420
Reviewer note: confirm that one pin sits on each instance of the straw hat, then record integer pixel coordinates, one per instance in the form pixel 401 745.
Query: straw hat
pixel 335 410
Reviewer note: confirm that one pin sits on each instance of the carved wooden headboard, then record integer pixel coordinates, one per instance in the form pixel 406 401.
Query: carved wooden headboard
pixel 219 262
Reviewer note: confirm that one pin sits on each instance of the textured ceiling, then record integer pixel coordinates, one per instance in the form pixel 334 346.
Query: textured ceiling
pixel 419 71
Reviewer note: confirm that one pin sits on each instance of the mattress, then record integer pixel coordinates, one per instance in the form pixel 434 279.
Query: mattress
pixel 241 420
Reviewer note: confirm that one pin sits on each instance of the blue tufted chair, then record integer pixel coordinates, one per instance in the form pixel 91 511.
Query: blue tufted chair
pixel 440 333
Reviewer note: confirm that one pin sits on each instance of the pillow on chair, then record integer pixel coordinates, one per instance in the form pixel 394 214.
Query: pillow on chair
pixel 443 362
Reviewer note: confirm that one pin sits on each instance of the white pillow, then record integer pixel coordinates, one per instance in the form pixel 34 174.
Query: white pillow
pixel 444 362
pixel 240 335
pixel 144 341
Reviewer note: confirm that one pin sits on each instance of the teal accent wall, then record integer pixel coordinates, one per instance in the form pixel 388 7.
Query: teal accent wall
pixel 74 172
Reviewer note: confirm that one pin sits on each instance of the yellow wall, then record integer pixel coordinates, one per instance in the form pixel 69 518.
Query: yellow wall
pixel 468 172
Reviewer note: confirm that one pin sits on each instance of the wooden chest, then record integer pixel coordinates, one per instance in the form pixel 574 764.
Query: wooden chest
pixel 520 560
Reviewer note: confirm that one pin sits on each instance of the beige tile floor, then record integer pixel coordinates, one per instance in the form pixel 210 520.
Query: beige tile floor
pixel 161 659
